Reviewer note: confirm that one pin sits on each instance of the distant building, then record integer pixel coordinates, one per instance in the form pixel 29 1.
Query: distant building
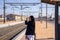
pixel 0 16
pixel 10 17
pixel 15 17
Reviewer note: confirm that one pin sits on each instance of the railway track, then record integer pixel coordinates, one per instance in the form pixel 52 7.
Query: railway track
pixel 9 32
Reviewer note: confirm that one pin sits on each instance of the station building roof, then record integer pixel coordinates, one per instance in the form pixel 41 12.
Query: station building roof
pixel 50 1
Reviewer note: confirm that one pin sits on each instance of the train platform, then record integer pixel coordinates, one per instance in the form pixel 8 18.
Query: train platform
pixel 42 33
pixel 10 24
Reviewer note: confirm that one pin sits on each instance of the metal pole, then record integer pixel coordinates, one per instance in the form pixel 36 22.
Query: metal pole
pixel 46 15
pixel 4 12
pixel 12 10
pixel 39 15
pixel 57 33
pixel 41 12
pixel 41 9
pixel 21 12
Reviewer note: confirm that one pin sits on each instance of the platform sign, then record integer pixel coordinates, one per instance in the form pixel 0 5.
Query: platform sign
pixel 56 0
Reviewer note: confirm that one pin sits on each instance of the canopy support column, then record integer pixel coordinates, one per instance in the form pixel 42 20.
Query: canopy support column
pixel 57 35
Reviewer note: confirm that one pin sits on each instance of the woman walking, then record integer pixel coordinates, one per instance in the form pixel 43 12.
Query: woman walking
pixel 30 32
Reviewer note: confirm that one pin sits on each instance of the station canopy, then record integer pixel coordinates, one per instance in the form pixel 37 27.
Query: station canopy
pixel 51 1
pixel 55 0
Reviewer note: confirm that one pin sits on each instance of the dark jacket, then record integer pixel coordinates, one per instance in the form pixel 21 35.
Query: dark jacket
pixel 30 28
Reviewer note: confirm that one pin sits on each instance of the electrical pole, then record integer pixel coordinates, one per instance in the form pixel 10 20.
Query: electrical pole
pixel 4 12
pixel 21 12
pixel 46 15
pixel 41 13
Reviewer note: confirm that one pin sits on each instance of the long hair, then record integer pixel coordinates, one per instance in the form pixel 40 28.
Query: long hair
pixel 32 18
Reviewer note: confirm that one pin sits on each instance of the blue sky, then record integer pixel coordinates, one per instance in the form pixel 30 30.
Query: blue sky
pixel 33 9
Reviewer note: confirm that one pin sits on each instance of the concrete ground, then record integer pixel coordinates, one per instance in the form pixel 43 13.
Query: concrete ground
pixel 43 33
